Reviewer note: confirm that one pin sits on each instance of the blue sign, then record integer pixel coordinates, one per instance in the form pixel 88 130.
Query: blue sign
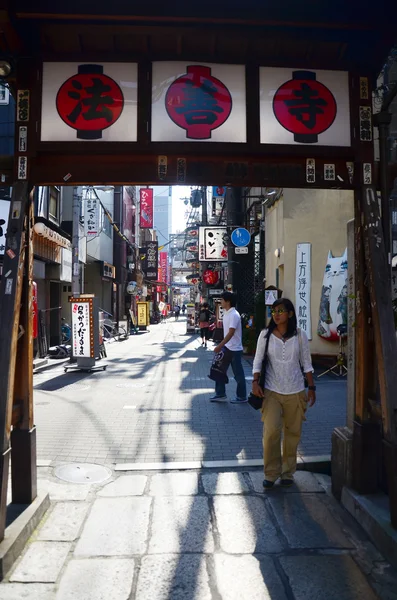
pixel 241 237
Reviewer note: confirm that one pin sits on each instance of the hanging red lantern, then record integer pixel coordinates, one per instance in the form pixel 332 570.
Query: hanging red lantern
pixel 210 277
pixel 304 106
pixel 198 102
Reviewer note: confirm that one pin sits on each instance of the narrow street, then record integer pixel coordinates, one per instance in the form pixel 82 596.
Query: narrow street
pixel 152 405
pixel 128 529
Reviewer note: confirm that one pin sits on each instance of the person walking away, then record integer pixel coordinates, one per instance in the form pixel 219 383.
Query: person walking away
pixel 282 387
pixel 204 322
pixel 233 342
pixel 183 309
pixel 177 310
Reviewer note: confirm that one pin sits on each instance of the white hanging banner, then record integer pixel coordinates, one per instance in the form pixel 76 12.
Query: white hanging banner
pixel 303 288
pixel 91 217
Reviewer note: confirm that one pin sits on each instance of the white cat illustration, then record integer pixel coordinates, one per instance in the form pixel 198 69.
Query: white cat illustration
pixel 333 303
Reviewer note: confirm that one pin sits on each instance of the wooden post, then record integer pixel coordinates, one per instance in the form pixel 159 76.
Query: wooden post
pixel 384 332
pixel 366 434
pixel 23 436
pixel 10 298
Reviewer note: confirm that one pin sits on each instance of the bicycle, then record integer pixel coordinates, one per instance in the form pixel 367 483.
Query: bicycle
pixel 110 330
pixel 66 332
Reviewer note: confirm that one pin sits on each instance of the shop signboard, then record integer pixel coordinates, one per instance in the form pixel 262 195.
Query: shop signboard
pixel 212 244
pixel 142 313
pixel 82 327
pixel 146 208
pixel 149 260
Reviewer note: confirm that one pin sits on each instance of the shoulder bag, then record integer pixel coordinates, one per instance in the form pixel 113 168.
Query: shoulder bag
pixel 255 401
pixel 300 357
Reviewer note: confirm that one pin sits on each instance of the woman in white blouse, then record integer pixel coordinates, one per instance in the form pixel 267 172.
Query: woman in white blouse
pixel 282 387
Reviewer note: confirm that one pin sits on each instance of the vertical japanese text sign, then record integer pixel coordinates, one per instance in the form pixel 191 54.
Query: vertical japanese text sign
pixel 146 208
pixel 163 267
pixel 82 328
pixel 303 288
pixel 150 263
pixel 91 217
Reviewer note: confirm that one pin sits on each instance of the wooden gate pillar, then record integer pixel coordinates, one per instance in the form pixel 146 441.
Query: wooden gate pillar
pixel 366 433
pixel 16 340
pixel 384 334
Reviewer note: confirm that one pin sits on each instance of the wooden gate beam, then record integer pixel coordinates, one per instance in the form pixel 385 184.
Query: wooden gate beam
pixel 384 333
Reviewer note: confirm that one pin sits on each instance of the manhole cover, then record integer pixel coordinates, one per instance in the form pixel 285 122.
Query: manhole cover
pixel 131 385
pixel 83 473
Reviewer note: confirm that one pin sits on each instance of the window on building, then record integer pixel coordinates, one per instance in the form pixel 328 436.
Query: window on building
pixel 106 226
pixel 54 196
pixel 394 217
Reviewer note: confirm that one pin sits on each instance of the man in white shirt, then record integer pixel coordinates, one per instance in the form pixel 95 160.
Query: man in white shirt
pixel 233 342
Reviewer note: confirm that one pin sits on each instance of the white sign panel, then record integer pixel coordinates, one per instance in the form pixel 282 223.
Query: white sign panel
pixel 198 102
pixel 81 329
pixel 4 213
pixel 212 244
pixel 91 217
pixel 89 102
pixel 303 288
pixel 302 107
pixel 66 264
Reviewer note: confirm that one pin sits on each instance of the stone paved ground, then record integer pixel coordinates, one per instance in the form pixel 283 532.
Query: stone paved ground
pixel 151 405
pixel 197 535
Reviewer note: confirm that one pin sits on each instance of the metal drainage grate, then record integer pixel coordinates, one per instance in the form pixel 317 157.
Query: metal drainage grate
pixel 83 473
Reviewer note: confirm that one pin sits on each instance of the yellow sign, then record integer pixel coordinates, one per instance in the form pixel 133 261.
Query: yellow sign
pixel 143 313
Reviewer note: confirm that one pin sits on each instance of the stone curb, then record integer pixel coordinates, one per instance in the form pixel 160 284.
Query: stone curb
pixel 20 530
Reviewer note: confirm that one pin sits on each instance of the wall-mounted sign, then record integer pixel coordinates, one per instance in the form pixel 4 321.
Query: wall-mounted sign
pixel 270 297
pixel 365 124
pixel 212 244
pixel 23 105
pixel 303 288
pixel 66 265
pixel 4 214
pixel 146 208
pixel 82 327
pixel 108 271
pixel 304 107
pixel 218 200
pixel 198 102
pixel 91 217
pixel 22 138
pixel 22 167
pixel 149 260
pixel 91 102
